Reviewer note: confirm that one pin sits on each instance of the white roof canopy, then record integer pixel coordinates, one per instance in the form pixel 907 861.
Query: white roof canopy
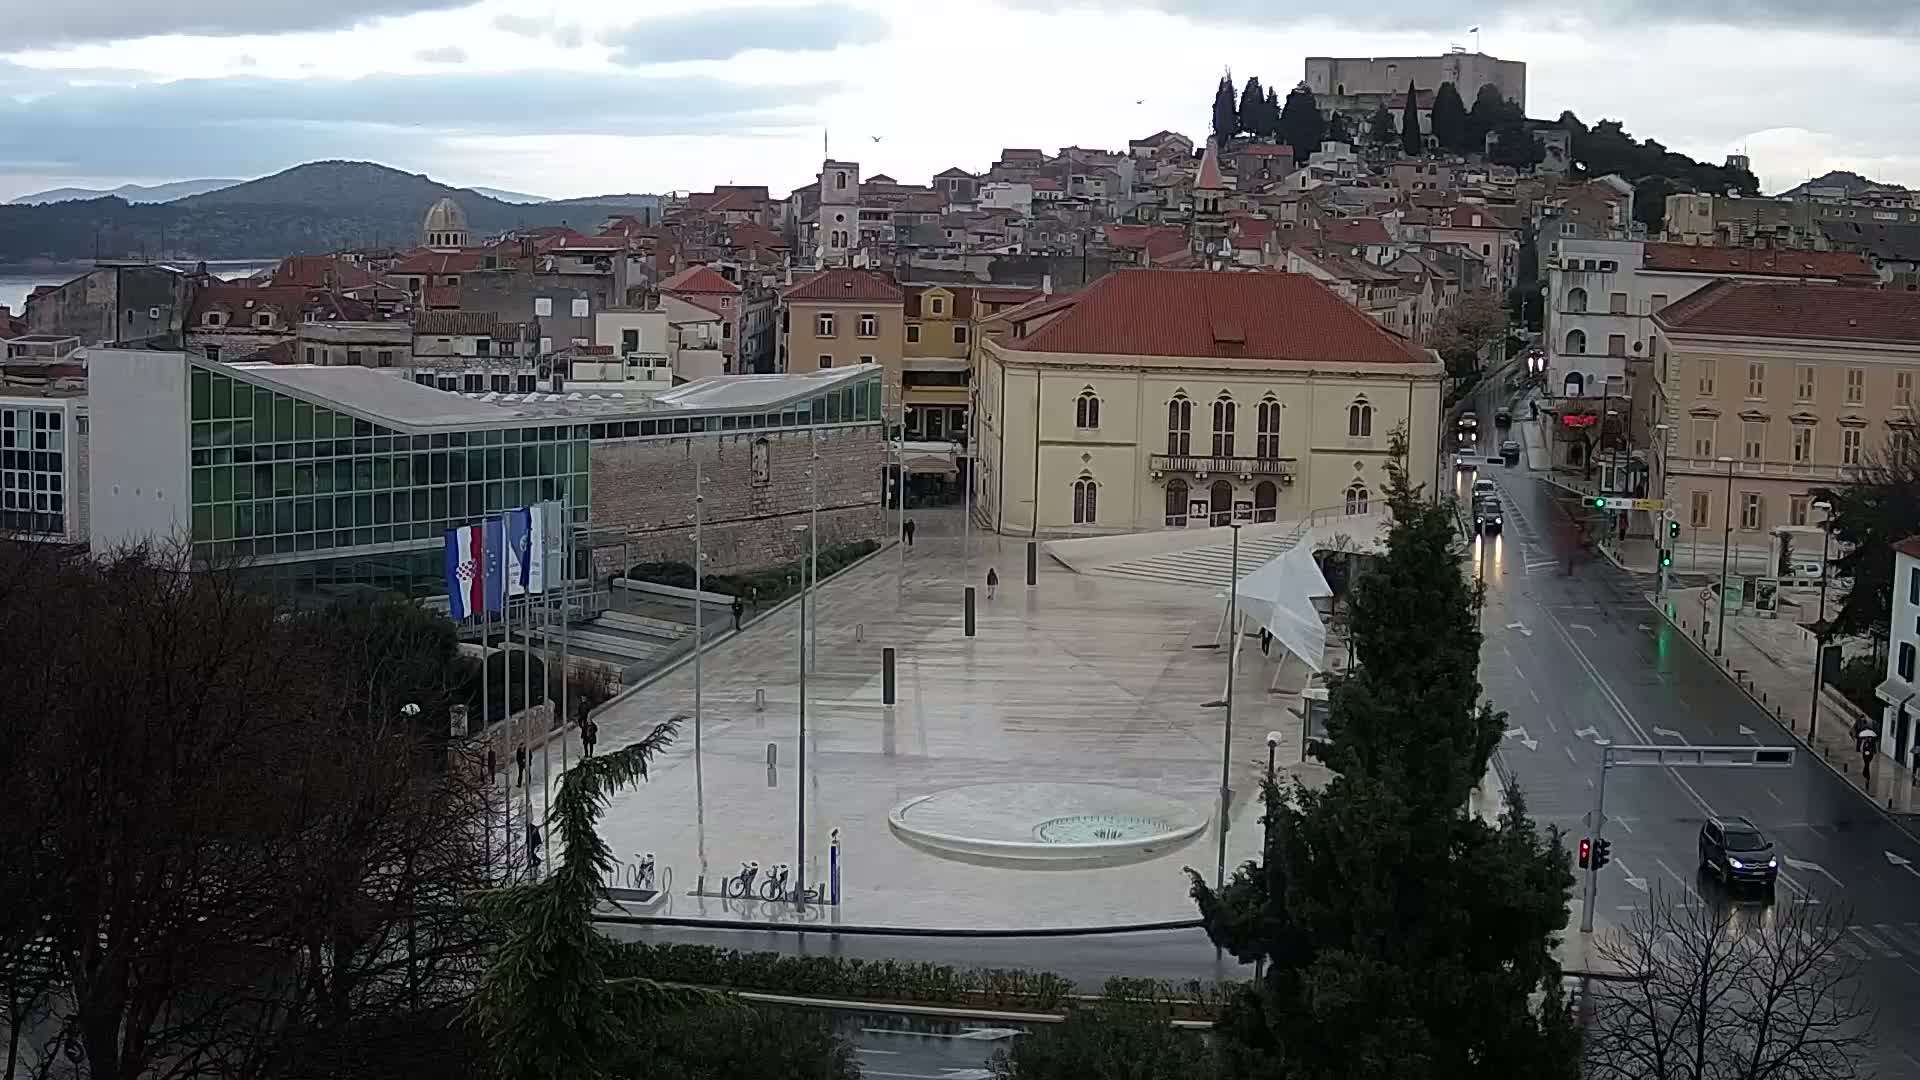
pixel 1280 595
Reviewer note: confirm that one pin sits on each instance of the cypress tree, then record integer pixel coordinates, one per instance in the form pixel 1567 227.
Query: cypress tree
pixel 1410 140
pixel 1450 120
pixel 1252 101
pixel 1226 118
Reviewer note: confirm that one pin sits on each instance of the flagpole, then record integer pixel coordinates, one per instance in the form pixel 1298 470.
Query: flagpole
pixel 566 598
pixel 699 605
pixel 546 624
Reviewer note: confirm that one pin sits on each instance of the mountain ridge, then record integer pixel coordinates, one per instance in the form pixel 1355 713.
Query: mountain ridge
pixel 132 193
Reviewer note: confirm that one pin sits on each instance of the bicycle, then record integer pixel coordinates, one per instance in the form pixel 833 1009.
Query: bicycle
pixel 775 887
pixel 740 887
pixel 646 876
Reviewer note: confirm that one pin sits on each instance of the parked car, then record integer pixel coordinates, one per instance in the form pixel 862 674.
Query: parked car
pixel 1734 850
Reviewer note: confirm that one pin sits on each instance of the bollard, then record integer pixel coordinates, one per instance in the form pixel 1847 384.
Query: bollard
pixel 969 628
pixel 859 631
pixel 1033 564
pixel 760 700
pixel 833 867
pixel 773 754
pixel 886 676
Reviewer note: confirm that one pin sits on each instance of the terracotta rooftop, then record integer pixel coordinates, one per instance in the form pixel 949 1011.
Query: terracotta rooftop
pixel 845 285
pixel 699 279
pixel 1202 313
pixel 461 324
pixel 1810 312
pixel 320 272
pixel 427 261
pixel 240 302
pixel 1266 150
pixel 1136 237
pixel 1356 232
pixel 1718 260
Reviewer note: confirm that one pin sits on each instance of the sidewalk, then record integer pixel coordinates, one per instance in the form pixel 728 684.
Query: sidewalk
pixel 1772 660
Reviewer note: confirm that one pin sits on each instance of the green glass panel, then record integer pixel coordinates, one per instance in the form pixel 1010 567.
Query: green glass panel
pixel 456 504
pixel 202 485
pixel 262 414
pixel 382 473
pixel 202 434
pixel 243 431
pixel 283 479
pixel 243 482
pixel 222 433
pixel 303 420
pixel 437 504
pixel 202 523
pixel 303 479
pixel 201 396
pixel 243 519
pixel 323 517
pixel 282 516
pixel 303 515
pixel 222 396
pixel 362 474
pixel 546 467
pixel 832 414
pixel 222 456
pixel 343 512
pixel 420 510
pixel 322 423
pixel 399 464
pixel 222 485
pixel 223 522
pixel 362 511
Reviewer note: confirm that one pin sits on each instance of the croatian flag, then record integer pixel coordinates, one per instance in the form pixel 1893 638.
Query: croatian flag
pixel 493 552
pixel 465 573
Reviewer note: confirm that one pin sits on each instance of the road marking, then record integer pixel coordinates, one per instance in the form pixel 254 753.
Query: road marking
pixel 1902 863
pixel 1747 731
pixel 1521 733
pixel 978 1034
pixel 1536 701
pixel 1874 943
pixel 1589 732
pixel 1901 938
pixel 886 1053
pixel 1623 823
pixel 1675 875
pixel 1853 951
pixel 1802 864
pixel 1571 758
pixel 1774 797
pixel 1637 882
pixel 1522 627
pixel 1669 733
pixel 1582 626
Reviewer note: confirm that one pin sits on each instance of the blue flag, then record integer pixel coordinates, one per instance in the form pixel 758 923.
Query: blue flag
pixel 494 551
pixel 519 550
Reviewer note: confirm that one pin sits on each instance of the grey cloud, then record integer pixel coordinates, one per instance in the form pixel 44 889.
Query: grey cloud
pixel 72 22
pixel 1844 16
pixel 247 126
pixel 449 54
pixel 565 34
pixel 720 34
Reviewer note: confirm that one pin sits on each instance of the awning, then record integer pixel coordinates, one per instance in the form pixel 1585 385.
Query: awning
pixel 1279 596
pixel 1893 690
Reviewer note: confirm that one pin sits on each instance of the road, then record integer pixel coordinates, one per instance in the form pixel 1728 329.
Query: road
pixel 1579 658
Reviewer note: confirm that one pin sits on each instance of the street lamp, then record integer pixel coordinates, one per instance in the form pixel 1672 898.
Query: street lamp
pixel 1726 549
pixel 1226 738
pixel 1820 636
pixel 800 814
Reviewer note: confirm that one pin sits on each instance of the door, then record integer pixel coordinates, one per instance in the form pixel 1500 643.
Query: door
pixel 1221 503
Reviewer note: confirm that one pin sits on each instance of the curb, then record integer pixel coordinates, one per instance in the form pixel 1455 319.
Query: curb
pixel 867 930
pixel 1905 823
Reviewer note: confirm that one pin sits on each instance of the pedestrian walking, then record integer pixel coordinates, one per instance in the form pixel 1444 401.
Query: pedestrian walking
pixel 589 734
pixel 533 847
pixel 493 764
pixel 520 759
pixel 1266 642
pixel 993 581
pixel 908 529
pixel 753 597
pixel 739 608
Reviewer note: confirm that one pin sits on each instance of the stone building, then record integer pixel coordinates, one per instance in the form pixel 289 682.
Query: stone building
pixel 118 302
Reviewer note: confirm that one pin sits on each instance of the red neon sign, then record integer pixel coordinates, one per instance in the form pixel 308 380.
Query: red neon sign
pixel 1579 420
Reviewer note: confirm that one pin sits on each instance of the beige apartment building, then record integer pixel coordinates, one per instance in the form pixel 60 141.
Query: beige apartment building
pixel 1160 399
pixel 1770 390
pixel 841 317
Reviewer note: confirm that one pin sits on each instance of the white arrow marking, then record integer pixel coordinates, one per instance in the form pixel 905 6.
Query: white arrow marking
pixel 1747 731
pixel 988 1034
pixel 1669 733
pixel 965 1074
pixel 1588 732
pixel 1521 734
pixel 1801 864
pixel 1903 863
pixel 1522 627
pixel 1581 626
pixel 1636 882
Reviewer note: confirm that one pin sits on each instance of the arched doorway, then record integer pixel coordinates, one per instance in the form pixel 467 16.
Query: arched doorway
pixel 1220 498
pixel 1576 384
pixel 1266 501
pixel 1176 504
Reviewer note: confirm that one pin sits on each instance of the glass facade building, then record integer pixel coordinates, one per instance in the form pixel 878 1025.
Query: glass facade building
pixel 33 469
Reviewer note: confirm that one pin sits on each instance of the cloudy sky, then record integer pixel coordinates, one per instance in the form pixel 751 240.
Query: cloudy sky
pixel 575 97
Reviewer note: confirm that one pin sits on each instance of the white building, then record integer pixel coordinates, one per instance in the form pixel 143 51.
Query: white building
pixel 1897 690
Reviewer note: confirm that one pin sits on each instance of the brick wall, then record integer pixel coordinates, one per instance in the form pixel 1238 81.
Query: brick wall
pixel 642 491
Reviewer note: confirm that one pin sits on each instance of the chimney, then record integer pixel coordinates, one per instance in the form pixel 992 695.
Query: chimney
pixel 1046 284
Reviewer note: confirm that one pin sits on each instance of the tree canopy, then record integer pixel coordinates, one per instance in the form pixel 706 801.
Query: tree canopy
pixel 1252 111
pixel 1226 114
pixel 1411 142
pixel 1449 121
pixel 1380 129
pixel 1402 935
pixel 1607 147
pixel 1876 508
pixel 1301 125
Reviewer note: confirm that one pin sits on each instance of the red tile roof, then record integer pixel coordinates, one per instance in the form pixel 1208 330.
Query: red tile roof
pixel 1718 260
pixel 1357 232
pixel 1910 547
pixel 1203 313
pixel 442 297
pixel 241 302
pixel 1266 150
pixel 1209 177
pixel 1164 244
pixel 699 279
pixel 845 285
pixel 1135 237
pixel 320 272
pixel 427 261
pixel 1781 309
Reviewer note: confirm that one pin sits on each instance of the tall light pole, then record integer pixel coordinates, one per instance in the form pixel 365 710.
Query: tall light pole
pixel 800 785
pixel 1726 549
pixel 1820 638
pixel 1226 736
pixel 810 630
pixel 899 441
pixel 699 600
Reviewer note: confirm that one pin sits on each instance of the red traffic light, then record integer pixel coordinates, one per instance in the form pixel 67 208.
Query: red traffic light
pixel 1586 851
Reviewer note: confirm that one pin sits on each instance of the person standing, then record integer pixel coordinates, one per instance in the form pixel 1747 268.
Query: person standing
pixel 739 608
pixel 589 734
pixel 993 581
pixel 908 529
pixel 520 760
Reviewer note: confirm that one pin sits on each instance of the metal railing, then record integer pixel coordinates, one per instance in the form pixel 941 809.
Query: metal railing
pixel 1202 464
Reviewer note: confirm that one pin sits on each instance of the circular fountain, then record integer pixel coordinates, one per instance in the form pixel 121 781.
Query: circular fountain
pixel 1046 824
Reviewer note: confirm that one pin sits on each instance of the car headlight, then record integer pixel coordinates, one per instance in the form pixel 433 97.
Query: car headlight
pixel 1772 863
pixel 1736 863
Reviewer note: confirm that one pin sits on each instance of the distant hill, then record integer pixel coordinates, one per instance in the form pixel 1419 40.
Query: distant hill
pixel 511 196
pixel 133 193
pixel 317 207
pixel 1849 183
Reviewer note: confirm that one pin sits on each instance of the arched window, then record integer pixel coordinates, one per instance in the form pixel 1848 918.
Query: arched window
pixel 1220 503
pixel 1266 443
pixel 1176 504
pixel 1086 410
pixel 1576 384
pixel 1576 342
pixel 1356 498
pixel 1266 501
pixel 840 180
pixel 1086 501
pixel 1179 426
pixel 1576 299
pixel 1223 410
pixel 1360 419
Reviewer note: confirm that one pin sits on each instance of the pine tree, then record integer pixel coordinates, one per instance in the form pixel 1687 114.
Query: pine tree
pixel 1410 140
pixel 1252 101
pixel 1337 129
pixel 1226 117
pixel 1483 117
pixel 1301 126
pixel 1381 130
pixel 1449 120
pixel 1270 114
pixel 1402 935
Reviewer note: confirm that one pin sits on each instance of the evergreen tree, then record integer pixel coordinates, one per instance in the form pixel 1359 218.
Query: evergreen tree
pixel 1483 116
pixel 1402 935
pixel 1301 125
pixel 1270 113
pixel 1381 130
pixel 1410 140
pixel 1253 101
pixel 1337 129
pixel 1226 117
pixel 1449 120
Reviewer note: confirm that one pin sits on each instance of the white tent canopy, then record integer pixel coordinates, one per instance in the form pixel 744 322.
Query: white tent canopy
pixel 1279 596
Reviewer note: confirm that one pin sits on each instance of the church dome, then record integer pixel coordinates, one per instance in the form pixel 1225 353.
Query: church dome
pixel 446 225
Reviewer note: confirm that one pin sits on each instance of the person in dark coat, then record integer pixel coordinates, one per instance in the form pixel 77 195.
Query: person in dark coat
pixel 520 760
pixel 589 734
pixel 739 608
pixel 993 581
pixel 908 529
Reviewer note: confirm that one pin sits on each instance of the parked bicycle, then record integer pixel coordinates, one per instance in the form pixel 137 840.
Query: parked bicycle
pixel 741 887
pixel 645 875
pixel 778 886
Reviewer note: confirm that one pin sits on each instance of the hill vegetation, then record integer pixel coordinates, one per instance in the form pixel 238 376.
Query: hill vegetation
pixel 317 207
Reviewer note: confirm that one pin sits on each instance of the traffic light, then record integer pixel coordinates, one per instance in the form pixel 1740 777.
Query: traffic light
pixel 1586 846
pixel 1603 854
pixel 1666 558
pixel 1673 529
pixel 1598 502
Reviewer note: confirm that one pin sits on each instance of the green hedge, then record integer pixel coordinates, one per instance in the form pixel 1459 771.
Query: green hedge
pixel 774 583
pixel 898 982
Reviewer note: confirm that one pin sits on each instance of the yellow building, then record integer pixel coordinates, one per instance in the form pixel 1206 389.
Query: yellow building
pixel 942 349
pixel 1770 390
pixel 1185 398
pixel 841 317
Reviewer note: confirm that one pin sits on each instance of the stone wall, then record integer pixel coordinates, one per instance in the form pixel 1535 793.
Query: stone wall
pixel 642 492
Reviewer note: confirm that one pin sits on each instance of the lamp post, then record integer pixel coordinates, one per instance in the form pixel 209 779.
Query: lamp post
pixel 810 630
pixel 1726 550
pixel 699 606
pixel 1820 637
pixel 1226 737
pixel 800 785
pixel 1663 536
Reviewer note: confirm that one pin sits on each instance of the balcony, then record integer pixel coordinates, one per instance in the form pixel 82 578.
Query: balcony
pixel 1224 466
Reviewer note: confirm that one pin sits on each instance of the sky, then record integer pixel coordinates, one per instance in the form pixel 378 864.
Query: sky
pixel 564 98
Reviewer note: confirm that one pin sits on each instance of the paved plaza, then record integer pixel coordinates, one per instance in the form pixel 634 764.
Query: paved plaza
pixel 1079 680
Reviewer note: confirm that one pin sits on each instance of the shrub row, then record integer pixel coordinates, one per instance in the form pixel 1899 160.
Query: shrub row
pixel 772 583
pixel 897 982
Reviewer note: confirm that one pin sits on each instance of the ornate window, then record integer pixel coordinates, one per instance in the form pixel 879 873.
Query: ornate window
pixel 1223 415
pixel 1179 426
pixel 1086 500
pixel 1176 503
pixel 1357 498
pixel 1266 443
pixel 1086 410
pixel 1266 501
pixel 1360 419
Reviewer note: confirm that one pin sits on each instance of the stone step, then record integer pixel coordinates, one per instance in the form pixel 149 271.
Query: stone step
pixel 666 629
pixel 618 645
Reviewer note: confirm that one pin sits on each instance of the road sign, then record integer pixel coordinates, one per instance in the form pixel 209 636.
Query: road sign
pixel 1618 502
